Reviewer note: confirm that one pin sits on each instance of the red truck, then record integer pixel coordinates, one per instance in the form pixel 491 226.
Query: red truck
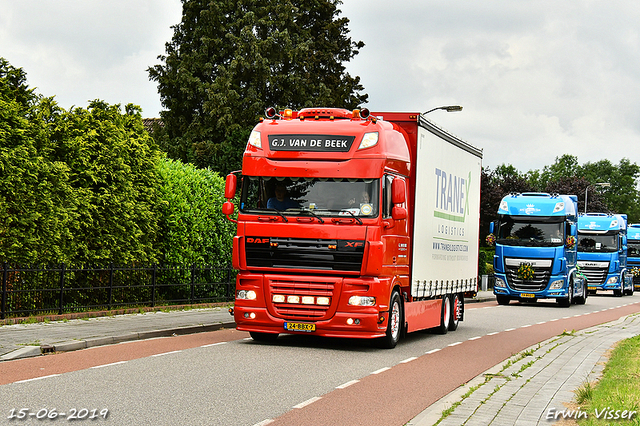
pixel 354 224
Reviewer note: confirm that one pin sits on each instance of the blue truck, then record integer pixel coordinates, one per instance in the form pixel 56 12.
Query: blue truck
pixel 633 253
pixel 602 252
pixel 535 258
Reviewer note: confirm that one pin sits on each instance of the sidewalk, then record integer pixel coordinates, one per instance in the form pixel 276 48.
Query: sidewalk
pixel 27 340
pixel 535 385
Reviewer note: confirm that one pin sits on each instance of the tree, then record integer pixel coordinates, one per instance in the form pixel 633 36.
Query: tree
pixel 229 59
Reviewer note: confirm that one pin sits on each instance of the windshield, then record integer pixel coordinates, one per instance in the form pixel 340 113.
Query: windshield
pixel 311 196
pixel 633 249
pixel 597 242
pixel 523 231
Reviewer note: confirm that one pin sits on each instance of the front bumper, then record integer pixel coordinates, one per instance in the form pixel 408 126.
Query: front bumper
pixel 368 324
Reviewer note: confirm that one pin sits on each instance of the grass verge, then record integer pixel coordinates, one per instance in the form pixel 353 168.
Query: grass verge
pixel 617 395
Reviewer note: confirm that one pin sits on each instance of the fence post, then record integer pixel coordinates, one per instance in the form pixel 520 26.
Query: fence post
pixel 193 282
pixel 229 292
pixel 153 285
pixel 61 289
pixel 110 286
pixel 3 308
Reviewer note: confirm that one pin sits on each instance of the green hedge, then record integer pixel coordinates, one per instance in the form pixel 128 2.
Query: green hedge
pixel 90 186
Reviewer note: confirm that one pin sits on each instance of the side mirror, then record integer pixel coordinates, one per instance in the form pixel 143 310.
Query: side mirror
pixel 492 226
pixel 398 194
pixel 230 187
pixel 398 213
pixel 228 208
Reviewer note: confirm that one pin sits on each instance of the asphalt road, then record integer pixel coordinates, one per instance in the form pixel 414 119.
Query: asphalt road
pixel 224 378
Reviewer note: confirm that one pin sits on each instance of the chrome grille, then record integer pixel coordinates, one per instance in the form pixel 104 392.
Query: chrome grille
pixel 596 272
pixel 541 274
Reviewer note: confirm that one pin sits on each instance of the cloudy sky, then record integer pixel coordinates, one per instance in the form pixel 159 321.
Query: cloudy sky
pixel 536 79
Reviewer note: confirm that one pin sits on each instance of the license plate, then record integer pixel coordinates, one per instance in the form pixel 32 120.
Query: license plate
pixel 299 326
pixel 527 295
pixel 592 288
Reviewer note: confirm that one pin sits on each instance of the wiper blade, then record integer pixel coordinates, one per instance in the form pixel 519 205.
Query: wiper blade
pixel 280 213
pixel 355 217
pixel 303 210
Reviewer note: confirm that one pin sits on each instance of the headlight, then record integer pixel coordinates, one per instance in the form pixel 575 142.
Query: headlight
pixel 557 284
pixel 246 295
pixel 369 140
pixel 254 139
pixel 612 280
pixel 499 283
pixel 362 301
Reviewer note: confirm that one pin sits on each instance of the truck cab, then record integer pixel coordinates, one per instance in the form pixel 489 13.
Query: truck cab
pixel 602 252
pixel 633 253
pixel 535 255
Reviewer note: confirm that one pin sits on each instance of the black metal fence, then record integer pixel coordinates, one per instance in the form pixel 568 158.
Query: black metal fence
pixel 64 289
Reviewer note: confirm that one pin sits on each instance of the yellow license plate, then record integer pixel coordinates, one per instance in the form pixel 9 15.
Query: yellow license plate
pixel 527 295
pixel 299 326
pixel 592 288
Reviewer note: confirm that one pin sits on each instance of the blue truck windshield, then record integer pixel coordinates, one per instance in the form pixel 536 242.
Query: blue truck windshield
pixel 311 196
pixel 527 231
pixel 605 243
pixel 633 248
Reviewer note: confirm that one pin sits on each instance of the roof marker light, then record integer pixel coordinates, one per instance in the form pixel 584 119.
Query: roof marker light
pixel 270 112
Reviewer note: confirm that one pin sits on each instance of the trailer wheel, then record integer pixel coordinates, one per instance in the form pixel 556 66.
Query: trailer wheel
pixel 263 337
pixel 456 312
pixel 394 324
pixel 445 315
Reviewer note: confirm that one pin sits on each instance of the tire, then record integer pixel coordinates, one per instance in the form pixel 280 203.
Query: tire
pixel 503 300
pixel 445 315
pixel 581 300
pixel 617 293
pixel 567 301
pixel 394 323
pixel 263 337
pixel 456 312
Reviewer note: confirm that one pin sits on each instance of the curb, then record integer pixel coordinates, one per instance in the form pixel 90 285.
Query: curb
pixel 74 345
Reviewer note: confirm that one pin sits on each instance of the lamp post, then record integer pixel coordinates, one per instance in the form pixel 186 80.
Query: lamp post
pixel 600 184
pixel 449 108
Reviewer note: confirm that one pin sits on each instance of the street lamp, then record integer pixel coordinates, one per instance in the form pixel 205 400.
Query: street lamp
pixel 600 184
pixel 450 108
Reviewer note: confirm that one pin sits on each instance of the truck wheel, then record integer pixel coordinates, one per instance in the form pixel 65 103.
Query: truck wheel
pixel 617 293
pixel 263 337
pixel 445 315
pixel 503 300
pixel 567 301
pixel 456 312
pixel 581 300
pixel 394 324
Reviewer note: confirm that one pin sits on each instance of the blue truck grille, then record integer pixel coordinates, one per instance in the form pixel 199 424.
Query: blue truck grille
pixel 304 253
pixel 541 274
